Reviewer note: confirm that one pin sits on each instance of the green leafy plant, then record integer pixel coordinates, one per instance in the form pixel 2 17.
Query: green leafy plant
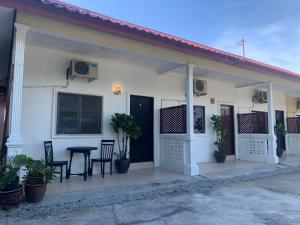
pixel 279 130
pixel 220 130
pixel 10 174
pixel 8 177
pixel 3 159
pixel 34 168
pixel 125 127
pixel 38 169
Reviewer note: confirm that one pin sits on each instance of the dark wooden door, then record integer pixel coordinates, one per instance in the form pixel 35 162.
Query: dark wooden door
pixel 227 114
pixel 279 116
pixel 141 108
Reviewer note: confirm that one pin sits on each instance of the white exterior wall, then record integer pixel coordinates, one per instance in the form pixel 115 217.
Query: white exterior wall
pixel 48 67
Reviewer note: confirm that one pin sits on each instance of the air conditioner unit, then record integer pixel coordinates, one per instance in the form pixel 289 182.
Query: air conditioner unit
pixel 260 97
pixel 200 87
pixel 82 69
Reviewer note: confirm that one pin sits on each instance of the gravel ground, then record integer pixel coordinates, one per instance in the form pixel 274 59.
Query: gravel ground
pixel 268 201
pixel 65 202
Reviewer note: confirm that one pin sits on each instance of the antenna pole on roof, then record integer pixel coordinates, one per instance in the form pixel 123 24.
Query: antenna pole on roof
pixel 242 44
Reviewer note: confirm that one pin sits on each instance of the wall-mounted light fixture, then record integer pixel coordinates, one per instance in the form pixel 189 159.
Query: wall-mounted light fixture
pixel 117 89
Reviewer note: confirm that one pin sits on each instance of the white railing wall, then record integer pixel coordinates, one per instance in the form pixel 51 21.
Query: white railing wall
pixel 253 147
pixel 293 144
pixel 173 149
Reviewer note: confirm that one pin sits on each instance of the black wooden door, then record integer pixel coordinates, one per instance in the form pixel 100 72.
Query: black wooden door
pixel 227 114
pixel 279 116
pixel 141 108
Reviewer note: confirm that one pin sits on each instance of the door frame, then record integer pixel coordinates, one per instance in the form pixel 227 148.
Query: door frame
pixel 155 163
pixel 235 124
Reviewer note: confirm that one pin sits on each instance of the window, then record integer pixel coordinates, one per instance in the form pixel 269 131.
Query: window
pixel 78 114
pixel 199 119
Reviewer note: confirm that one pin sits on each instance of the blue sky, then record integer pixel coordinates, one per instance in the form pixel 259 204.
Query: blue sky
pixel 271 27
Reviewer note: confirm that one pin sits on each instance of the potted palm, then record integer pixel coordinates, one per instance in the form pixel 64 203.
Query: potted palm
pixel 220 130
pixel 125 127
pixel 11 190
pixel 36 179
pixel 280 133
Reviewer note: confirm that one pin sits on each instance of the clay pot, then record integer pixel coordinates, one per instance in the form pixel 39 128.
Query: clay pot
pixel 11 198
pixel 35 189
pixel 35 193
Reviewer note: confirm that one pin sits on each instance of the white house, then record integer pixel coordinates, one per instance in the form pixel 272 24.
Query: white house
pixel 153 71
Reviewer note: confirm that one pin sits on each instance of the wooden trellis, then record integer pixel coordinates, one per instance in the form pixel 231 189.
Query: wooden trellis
pixel 173 120
pixel 253 123
pixel 293 125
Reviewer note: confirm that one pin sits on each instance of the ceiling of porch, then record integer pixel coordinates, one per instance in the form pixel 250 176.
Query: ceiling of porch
pixel 159 66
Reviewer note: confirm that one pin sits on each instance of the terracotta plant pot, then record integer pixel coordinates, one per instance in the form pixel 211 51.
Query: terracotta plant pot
pixel 220 156
pixel 11 198
pixel 35 193
pixel 122 165
pixel 34 180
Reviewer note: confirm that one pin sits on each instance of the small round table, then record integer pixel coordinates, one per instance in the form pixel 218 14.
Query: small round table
pixel 86 151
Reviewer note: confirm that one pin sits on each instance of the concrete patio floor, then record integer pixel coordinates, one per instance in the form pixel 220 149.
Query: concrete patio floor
pixel 134 177
pixel 230 169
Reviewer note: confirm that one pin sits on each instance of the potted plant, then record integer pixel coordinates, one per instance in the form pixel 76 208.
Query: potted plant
pixel 220 130
pixel 280 133
pixel 36 180
pixel 11 191
pixel 125 127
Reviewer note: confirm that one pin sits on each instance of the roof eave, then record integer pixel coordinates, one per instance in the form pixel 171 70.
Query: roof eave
pixel 50 11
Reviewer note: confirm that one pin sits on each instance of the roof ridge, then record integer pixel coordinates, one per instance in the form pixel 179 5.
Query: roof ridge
pixel 68 6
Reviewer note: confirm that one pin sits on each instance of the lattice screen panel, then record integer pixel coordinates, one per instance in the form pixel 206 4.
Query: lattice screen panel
pixel 293 125
pixel 253 123
pixel 173 120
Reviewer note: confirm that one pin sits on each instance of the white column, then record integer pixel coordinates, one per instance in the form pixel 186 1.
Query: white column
pixel 191 166
pixel 15 141
pixel 189 100
pixel 272 155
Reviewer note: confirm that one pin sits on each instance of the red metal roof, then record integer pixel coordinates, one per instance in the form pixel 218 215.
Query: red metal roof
pixel 73 14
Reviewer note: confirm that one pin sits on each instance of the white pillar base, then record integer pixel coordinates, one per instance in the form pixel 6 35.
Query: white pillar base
pixel 272 157
pixel 14 146
pixel 192 170
pixel 191 166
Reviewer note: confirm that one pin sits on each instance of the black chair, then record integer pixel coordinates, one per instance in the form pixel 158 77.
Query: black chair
pixel 49 159
pixel 106 156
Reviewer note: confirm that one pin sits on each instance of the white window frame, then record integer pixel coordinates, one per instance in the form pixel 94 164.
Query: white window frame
pixel 54 115
pixel 205 122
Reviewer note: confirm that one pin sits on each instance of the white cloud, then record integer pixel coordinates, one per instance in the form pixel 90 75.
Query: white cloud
pixel 275 44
